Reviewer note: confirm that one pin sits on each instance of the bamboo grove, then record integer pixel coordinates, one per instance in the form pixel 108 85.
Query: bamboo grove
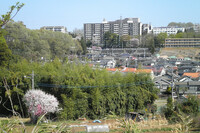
pixel 82 91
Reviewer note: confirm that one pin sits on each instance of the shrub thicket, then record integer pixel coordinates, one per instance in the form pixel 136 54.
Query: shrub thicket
pixel 81 90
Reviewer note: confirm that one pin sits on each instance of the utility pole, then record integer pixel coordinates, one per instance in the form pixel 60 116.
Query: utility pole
pixel 32 79
pixel 172 84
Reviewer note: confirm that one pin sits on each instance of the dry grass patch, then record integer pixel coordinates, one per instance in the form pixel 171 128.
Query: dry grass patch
pixel 180 52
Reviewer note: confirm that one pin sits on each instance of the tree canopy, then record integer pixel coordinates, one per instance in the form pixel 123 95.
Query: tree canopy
pixel 5 52
pixel 81 90
pixel 37 44
pixel 110 40
pixel 179 24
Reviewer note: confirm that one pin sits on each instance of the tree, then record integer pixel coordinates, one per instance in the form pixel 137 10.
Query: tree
pixel 88 43
pixel 39 103
pixel 160 39
pixel 5 52
pixel 81 90
pixel 8 16
pixel 110 39
pixel 83 45
pixel 125 40
pixel 148 41
pixel 68 108
pixel 191 105
pixel 185 25
pixel 134 43
pixel 169 111
pixel 34 44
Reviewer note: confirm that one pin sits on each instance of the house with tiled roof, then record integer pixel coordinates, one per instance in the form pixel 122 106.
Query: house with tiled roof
pixel 126 69
pixel 162 83
pixel 159 71
pixel 194 76
pixel 112 69
pixel 145 71
pixel 122 69
pixel 185 79
pixel 190 87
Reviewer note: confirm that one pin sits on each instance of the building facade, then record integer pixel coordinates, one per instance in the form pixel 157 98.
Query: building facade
pixel 146 28
pixel 55 28
pixel 168 30
pixel 196 27
pixel 127 26
pixel 182 42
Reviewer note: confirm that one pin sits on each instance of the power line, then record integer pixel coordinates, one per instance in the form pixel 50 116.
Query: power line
pixel 71 87
pixel 104 86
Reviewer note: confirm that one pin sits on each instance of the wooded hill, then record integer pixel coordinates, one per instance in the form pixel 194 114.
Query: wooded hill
pixel 37 44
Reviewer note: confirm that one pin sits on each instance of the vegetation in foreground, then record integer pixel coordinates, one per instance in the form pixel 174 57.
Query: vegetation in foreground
pixel 81 90
pixel 118 125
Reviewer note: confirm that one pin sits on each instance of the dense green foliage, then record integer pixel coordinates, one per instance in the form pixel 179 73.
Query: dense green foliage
pixel 185 25
pixel 190 106
pixel 81 90
pixel 39 44
pixel 5 52
pixel 187 107
pixel 110 40
pixel 148 41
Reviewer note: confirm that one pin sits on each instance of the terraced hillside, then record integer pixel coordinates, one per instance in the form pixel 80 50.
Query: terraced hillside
pixel 180 52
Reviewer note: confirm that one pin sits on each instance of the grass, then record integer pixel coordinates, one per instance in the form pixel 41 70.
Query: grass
pixel 116 126
pixel 157 129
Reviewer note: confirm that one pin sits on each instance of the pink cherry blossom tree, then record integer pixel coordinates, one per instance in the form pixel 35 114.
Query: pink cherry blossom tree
pixel 39 103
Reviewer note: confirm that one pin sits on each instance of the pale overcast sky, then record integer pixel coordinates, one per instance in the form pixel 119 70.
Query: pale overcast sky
pixel 74 13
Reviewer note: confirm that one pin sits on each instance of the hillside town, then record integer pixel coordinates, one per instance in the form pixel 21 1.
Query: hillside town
pixel 119 76
pixel 172 71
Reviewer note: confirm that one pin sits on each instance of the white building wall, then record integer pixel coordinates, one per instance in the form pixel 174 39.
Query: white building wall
pixel 168 30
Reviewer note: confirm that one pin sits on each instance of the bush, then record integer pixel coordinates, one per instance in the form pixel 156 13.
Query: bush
pixel 191 105
pixel 196 122
pixel 39 103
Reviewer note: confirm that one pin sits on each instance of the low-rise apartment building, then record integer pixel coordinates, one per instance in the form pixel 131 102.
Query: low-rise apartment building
pixel 55 28
pixel 168 30
pixel 182 42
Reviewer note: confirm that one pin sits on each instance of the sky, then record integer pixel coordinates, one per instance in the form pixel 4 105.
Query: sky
pixel 74 13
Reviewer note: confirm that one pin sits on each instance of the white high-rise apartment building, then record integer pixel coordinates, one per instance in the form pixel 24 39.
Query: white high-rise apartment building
pixel 168 30
pixel 127 26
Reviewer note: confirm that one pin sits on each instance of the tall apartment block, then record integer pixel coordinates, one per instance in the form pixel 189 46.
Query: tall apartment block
pixel 127 26
pixel 55 28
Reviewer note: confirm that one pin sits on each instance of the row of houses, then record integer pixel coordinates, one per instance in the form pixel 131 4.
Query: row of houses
pixel 182 74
